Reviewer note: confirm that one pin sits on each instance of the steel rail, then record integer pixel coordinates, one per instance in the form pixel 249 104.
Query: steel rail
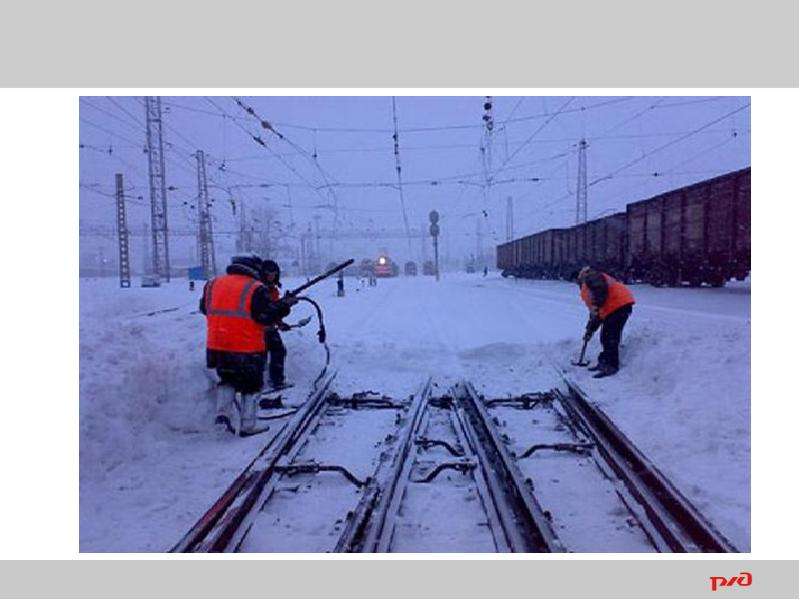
pixel 677 520
pixel 501 541
pixel 526 526
pixel 287 465
pixel 214 530
pixel 370 527
pixel 279 468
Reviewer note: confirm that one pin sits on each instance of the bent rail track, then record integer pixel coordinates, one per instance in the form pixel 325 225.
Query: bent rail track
pixel 458 451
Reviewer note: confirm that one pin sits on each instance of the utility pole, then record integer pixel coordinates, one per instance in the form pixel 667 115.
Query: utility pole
pixel 488 123
pixel 303 253
pixel 509 219
pixel 158 187
pixel 486 149
pixel 434 230
pixel 122 237
pixel 208 258
pixel 479 241
pixel 317 249
pixel 581 196
pixel 147 264
pixel 396 138
pixel 424 241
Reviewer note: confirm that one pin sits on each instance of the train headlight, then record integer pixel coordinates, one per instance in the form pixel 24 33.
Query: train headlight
pixel 382 260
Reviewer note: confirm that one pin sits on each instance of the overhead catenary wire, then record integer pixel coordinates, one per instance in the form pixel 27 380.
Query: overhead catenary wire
pixel 266 147
pixel 312 158
pixel 382 130
pixel 554 115
pixel 522 177
pixel 668 144
pixel 615 172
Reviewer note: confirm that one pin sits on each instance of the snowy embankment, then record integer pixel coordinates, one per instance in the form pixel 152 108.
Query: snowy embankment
pixel 151 462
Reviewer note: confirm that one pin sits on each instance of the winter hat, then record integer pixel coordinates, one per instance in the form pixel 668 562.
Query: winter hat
pixel 251 261
pixel 270 266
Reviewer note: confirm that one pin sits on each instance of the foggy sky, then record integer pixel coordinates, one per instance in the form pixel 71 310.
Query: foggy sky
pixel 618 132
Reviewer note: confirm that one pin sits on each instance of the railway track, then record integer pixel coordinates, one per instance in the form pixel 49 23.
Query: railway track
pixel 541 472
pixel 320 460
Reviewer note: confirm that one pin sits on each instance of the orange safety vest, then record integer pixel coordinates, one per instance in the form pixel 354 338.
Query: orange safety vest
pixel 230 326
pixel 618 296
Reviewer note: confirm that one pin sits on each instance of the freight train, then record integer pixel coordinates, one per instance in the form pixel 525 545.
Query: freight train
pixel 696 234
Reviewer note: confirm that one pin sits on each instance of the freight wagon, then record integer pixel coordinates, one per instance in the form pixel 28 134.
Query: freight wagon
pixel 696 234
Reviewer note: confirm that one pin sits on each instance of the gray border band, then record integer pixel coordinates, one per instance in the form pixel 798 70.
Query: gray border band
pixel 394 578
pixel 413 43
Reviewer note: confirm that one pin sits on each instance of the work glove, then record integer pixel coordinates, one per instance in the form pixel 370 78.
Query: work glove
pixel 289 300
pixel 592 326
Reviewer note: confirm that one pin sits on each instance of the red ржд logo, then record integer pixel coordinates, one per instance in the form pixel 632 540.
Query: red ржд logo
pixel 743 579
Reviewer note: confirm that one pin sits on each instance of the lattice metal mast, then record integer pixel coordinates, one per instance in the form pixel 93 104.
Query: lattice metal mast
pixel 396 138
pixel 208 259
pixel 147 263
pixel 122 237
pixel 158 187
pixel 581 196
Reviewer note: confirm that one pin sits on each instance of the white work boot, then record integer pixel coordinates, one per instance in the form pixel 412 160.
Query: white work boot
pixel 248 413
pixel 224 413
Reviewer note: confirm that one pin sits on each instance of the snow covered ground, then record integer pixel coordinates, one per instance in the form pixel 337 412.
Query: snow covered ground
pixel 151 461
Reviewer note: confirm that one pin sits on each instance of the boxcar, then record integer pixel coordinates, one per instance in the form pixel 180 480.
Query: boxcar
pixel 606 241
pixel 581 245
pixel 547 263
pixel 505 258
pixel 696 234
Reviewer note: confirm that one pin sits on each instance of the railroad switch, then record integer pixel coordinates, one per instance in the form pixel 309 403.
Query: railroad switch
pixel 524 402
pixel 441 402
pixel 365 399
pixel 427 443
pixel 313 467
pixel 576 448
pixel 462 466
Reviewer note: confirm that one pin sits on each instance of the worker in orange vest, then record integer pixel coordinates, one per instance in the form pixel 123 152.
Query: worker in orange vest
pixel 238 308
pixel 276 351
pixel 610 304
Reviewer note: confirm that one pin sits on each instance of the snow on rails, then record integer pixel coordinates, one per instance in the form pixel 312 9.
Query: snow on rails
pixel 455 472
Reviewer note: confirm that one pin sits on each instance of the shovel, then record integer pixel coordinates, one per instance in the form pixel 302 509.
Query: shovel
pixel 581 362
